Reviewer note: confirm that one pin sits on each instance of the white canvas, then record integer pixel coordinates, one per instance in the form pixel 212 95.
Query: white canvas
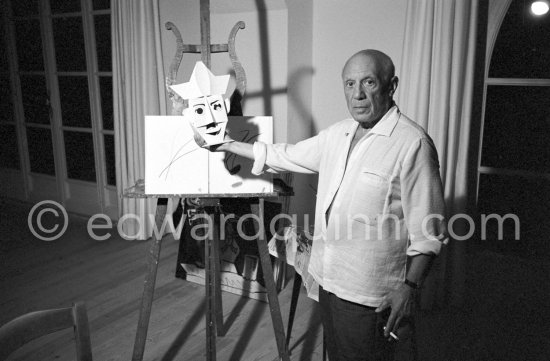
pixel 174 164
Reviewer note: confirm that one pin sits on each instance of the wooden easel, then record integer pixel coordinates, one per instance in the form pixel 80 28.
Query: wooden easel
pixel 211 206
pixel 206 49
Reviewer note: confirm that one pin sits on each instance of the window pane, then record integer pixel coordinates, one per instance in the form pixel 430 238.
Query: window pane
pixel 103 41
pixel 517 128
pixel 102 4
pixel 29 45
pixel 24 8
pixel 529 200
pixel 522 46
pixel 70 52
pixel 4 65
pixel 79 152
pixel 6 105
pixel 9 156
pixel 75 101
pixel 40 150
pixel 64 6
pixel 110 159
pixel 35 99
pixel 106 88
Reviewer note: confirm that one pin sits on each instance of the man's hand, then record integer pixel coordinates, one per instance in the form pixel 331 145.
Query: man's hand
pixel 402 302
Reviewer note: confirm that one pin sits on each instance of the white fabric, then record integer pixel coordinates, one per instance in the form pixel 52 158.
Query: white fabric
pixel 138 86
pixel 379 200
pixel 436 90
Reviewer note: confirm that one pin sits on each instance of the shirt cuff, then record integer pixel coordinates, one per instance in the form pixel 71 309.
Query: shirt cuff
pixel 428 246
pixel 260 155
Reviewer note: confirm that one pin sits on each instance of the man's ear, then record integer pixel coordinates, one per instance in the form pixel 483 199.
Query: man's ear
pixel 227 104
pixel 394 81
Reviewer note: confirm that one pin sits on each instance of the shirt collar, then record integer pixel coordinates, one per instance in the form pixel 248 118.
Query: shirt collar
pixel 384 126
pixel 388 122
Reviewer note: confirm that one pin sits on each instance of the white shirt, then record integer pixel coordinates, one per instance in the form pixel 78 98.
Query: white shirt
pixel 387 202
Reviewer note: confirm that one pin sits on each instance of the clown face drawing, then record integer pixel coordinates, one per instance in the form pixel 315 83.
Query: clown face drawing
pixel 209 117
pixel 208 108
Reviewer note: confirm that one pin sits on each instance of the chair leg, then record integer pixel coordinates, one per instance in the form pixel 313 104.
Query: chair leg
pixel 82 330
pixel 325 356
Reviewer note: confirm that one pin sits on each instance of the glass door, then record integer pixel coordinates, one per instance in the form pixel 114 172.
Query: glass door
pixel 60 81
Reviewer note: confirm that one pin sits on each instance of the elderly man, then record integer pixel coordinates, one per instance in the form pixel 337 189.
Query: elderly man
pixel 379 212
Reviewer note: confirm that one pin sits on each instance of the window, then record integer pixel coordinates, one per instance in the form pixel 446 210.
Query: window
pixel 514 162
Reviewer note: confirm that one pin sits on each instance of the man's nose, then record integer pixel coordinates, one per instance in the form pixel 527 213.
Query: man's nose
pixel 358 92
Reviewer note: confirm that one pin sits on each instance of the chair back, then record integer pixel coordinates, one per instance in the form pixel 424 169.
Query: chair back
pixel 30 326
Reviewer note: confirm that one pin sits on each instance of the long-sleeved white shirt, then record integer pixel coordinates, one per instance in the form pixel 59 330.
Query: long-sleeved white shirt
pixel 386 202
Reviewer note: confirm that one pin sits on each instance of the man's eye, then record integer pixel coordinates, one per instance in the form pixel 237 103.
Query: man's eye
pixel 217 106
pixel 368 82
pixel 199 111
pixel 349 84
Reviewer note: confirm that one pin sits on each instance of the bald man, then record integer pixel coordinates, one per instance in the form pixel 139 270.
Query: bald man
pixel 379 213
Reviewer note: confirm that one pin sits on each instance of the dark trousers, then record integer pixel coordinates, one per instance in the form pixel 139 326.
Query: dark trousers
pixel 354 332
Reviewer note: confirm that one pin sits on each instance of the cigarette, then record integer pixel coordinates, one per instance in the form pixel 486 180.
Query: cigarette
pixel 393 335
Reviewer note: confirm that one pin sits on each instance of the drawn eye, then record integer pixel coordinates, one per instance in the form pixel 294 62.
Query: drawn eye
pixel 217 106
pixel 199 110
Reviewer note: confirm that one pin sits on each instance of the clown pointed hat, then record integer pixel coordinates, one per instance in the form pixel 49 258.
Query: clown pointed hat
pixel 202 83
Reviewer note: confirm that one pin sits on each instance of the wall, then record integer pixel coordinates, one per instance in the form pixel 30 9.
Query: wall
pixel 338 32
pixel 300 84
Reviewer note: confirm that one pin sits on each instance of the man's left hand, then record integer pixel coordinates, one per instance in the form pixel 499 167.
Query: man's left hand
pixel 402 302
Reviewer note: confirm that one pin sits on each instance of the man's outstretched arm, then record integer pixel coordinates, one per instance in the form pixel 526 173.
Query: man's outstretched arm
pixel 239 148
pixel 302 157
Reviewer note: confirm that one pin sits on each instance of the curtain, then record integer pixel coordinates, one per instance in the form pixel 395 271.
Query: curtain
pixel 138 88
pixel 436 88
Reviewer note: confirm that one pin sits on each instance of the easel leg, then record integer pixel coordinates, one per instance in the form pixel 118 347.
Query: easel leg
pixel 210 297
pixel 215 248
pixel 148 288
pixel 272 296
pixel 293 305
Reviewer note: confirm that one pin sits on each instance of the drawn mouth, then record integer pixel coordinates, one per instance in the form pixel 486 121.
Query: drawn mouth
pixel 214 133
pixel 213 129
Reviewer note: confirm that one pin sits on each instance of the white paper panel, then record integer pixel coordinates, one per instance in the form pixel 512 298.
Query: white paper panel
pixel 174 164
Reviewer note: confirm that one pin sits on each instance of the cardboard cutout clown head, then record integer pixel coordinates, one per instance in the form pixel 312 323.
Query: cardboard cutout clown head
pixel 207 111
